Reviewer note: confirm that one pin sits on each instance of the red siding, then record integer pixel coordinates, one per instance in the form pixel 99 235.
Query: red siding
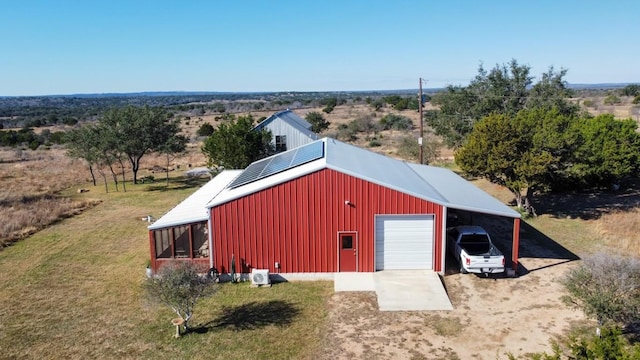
pixel 296 223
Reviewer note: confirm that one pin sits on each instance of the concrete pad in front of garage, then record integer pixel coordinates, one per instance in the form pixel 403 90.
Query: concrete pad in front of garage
pixel 398 290
pixel 410 290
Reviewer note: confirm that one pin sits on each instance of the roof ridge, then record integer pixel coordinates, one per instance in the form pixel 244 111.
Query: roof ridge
pixel 423 179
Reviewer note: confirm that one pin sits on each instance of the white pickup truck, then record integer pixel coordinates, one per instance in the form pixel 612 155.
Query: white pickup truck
pixel 472 247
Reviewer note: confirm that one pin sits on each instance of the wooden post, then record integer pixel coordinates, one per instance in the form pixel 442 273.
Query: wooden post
pixel 177 322
pixel 516 244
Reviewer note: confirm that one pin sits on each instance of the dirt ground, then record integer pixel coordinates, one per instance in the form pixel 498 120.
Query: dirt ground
pixel 492 317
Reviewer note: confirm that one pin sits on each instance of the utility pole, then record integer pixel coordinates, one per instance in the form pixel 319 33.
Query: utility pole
pixel 421 130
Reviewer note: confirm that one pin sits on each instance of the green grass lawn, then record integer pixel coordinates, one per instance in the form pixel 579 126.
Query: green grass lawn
pixel 73 291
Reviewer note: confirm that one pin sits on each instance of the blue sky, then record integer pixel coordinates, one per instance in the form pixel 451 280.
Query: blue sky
pixel 69 47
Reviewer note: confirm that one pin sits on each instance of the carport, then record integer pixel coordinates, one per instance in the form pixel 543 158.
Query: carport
pixel 469 201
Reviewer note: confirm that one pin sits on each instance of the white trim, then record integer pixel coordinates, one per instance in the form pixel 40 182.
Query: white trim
pixel 210 227
pixel 443 261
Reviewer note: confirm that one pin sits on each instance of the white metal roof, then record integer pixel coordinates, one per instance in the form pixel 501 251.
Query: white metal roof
pixel 193 208
pixel 460 193
pixel 430 183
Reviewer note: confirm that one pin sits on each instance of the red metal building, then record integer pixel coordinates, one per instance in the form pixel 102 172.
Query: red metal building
pixel 330 207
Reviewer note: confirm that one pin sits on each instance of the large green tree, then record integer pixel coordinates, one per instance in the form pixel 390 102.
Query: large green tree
pixel 526 152
pixel 505 89
pixel 235 144
pixel 609 151
pixel 543 149
pixel 139 131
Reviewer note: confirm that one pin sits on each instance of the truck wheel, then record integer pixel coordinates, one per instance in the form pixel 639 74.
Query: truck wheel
pixel 462 269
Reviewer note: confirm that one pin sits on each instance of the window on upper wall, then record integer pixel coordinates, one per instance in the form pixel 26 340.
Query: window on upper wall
pixel 281 143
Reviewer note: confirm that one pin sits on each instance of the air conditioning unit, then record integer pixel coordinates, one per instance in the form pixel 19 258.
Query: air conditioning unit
pixel 260 277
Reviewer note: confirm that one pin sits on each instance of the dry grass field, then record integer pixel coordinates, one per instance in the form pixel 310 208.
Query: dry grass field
pixel 30 182
pixel 624 110
pixel 72 291
pixel 70 288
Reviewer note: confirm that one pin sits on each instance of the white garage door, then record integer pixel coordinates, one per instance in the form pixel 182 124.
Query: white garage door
pixel 404 242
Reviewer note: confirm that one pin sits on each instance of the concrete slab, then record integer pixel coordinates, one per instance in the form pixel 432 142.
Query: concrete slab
pixel 398 290
pixel 353 281
pixel 410 290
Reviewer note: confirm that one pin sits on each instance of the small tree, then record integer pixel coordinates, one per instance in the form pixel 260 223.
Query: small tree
pixel 317 121
pixel 81 144
pixel 235 144
pixel 205 129
pixel 172 148
pixel 607 288
pixel 180 286
pixel 611 99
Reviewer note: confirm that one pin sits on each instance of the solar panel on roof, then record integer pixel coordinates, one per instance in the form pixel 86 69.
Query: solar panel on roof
pixel 250 173
pixel 279 163
pixel 310 152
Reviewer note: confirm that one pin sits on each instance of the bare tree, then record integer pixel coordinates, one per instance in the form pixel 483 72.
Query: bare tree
pixel 180 286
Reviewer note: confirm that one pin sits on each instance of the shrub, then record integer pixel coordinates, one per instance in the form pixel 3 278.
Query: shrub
pixel 610 344
pixel 378 104
pixel 346 133
pixel 375 143
pixel 34 145
pixel 636 100
pixel 408 148
pixel 69 121
pixel 364 124
pixel 395 122
pixel 205 129
pixel 611 100
pixel 607 288
pixel 328 109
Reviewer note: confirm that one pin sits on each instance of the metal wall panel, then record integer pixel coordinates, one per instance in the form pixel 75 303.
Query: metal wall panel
pixel 295 138
pixel 296 223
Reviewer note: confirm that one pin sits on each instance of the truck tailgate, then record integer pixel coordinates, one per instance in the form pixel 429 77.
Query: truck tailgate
pixel 487 263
